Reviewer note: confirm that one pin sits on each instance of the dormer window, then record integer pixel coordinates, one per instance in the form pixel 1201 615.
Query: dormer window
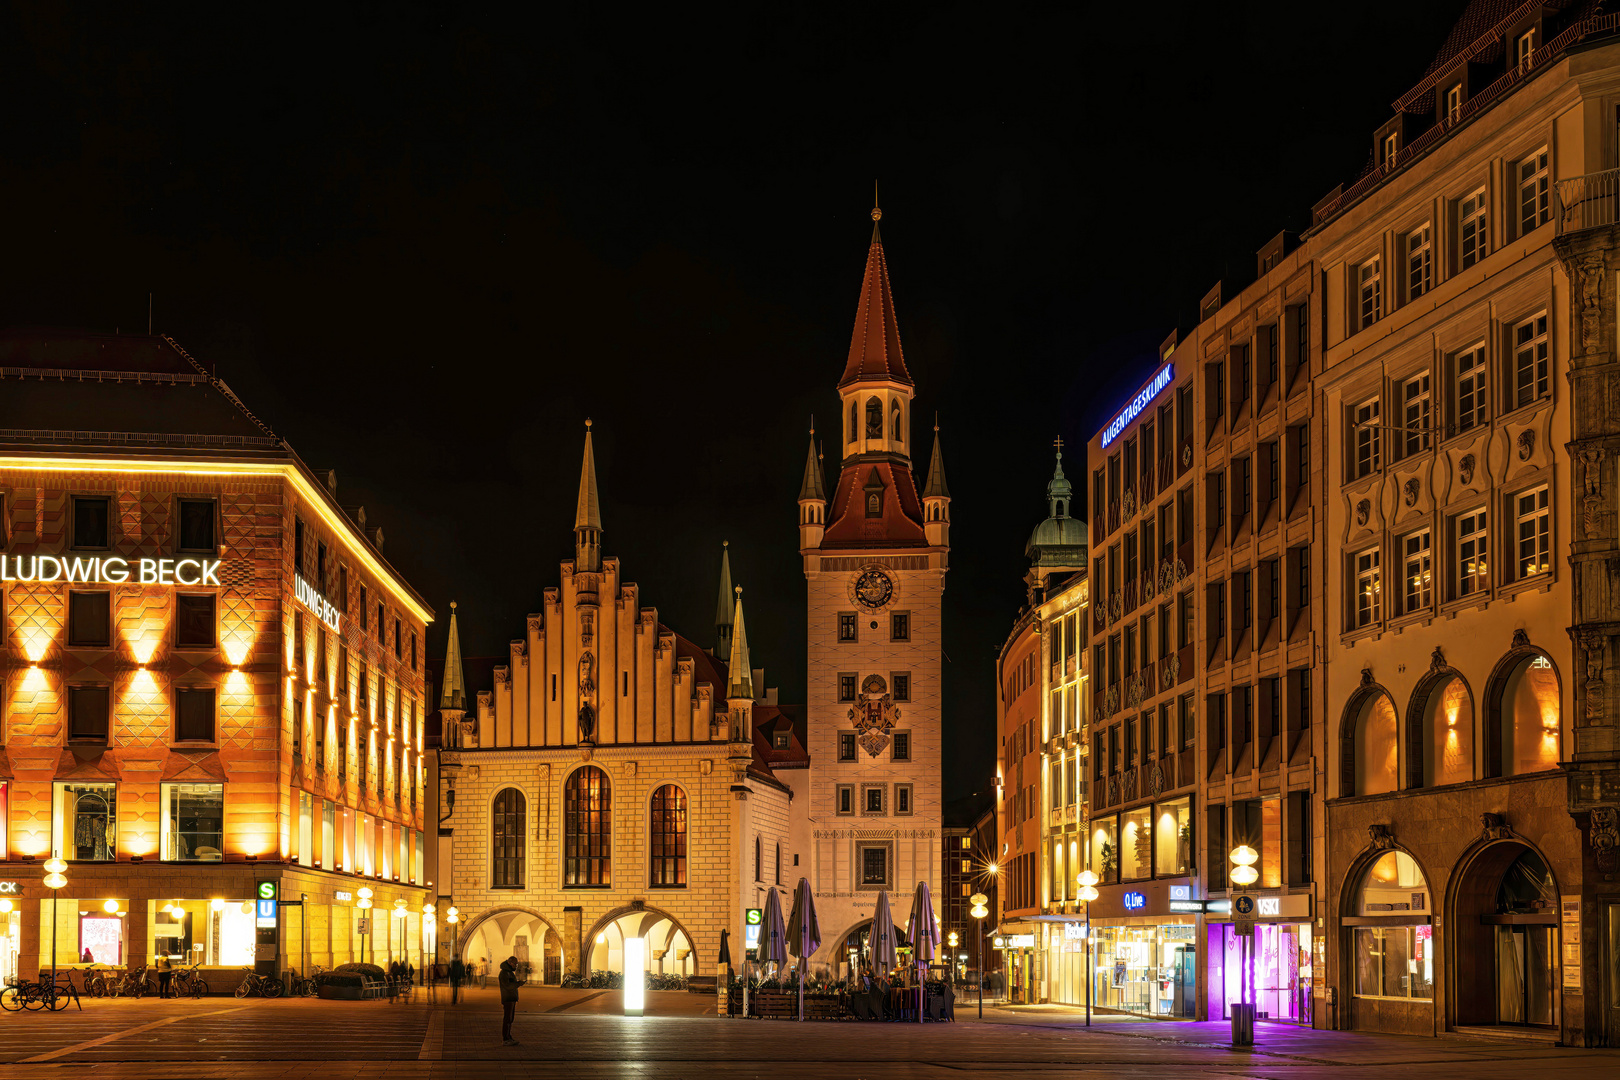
pixel 1454 103
pixel 781 741
pixel 1526 47
pixel 874 495
pixel 1391 145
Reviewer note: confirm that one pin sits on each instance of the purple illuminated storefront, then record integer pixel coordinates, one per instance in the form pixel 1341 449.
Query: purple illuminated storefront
pixel 1286 953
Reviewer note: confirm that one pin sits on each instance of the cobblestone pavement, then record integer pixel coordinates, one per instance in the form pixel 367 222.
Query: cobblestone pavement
pixel 580 1034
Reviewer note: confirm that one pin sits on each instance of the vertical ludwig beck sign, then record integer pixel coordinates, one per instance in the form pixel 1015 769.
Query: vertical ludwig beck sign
pixel 324 609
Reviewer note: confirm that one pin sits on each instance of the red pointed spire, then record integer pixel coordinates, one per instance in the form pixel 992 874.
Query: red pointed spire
pixel 874 348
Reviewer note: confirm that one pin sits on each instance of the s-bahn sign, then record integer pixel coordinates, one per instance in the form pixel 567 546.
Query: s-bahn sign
pixel 109 570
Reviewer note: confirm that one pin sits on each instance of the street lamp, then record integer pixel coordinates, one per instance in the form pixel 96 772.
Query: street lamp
pixel 978 900
pixel 453 917
pixel 364 904
pixel 1243 874
pixel 55 878
pixel 1088 892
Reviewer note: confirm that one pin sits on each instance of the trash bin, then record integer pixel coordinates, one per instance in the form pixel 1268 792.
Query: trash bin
pixel 1242 1024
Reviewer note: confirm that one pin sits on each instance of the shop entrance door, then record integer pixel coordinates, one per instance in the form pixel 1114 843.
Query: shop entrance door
pixel 1526 975
pixel 1184 1002
pixel 1611 972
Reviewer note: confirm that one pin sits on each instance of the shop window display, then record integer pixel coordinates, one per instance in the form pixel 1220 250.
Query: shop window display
pixel 1394 961
pixel 214 933
pixel 1104 853
pixel 1282 971
pixel 1147 969
pixel 193 817
pixel 1172 838
pixel 1136 844
pixel 84 824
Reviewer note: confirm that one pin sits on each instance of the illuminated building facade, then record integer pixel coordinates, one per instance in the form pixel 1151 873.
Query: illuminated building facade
pixel 211 679
pixel 969 867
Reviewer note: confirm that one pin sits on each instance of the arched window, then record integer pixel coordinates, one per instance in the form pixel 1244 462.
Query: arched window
pixel 854 422
pixel 894 421
pixel 668 837
pixel 759 860
pixel 1392 961
pixel 1377 747
pixel 1447 742
pixel 874 418
pixel 588 829
pixel 507 832
pixel 1525 717
pixel 874 495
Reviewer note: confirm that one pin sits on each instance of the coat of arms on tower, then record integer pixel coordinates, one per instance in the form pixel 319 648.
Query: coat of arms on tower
pixel 873 714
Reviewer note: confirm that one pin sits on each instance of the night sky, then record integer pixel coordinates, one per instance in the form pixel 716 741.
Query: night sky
pixel 425 250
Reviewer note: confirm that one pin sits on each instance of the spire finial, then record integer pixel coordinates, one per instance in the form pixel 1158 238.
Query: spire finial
pixel 936 423
pixel 877 211
pixel 587 423
pixel 738 590
pixel 452 605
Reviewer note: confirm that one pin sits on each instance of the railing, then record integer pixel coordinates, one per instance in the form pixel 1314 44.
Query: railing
pixel 1587 202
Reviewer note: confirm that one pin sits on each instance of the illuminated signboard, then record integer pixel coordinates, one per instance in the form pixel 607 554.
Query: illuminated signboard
pixel 10 888
pixel 110 570
pixel 1073 931
pixel 1135 901
pixel 751 921
pixel 1270 905
pixel 1186 905
pixel 342 895
pixel 1181 892
pixel 324 609
pixel 1130 412
pixel 266 904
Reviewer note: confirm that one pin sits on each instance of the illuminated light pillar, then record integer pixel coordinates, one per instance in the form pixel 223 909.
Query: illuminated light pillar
pixel 635 976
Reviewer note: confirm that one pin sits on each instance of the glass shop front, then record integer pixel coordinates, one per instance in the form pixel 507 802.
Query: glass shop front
pixel 1144 963
pixel 1285 945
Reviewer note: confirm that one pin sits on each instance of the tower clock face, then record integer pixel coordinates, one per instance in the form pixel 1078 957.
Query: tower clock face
pixel 873 588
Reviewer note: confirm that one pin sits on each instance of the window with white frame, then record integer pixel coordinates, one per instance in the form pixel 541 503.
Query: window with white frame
pixel 1416 572
pixel 1472 571
pixel 1454 103
pixel 1470 399
pixel 1530 382
pixel 1472 241
pixel 1419 262
pixel 1368 445
pixel 1391 147
pixel 1415 413
pixel 1533 526
pixel 1534 208
pixel 1370 279
pixel 1368 588
pixel 1526 47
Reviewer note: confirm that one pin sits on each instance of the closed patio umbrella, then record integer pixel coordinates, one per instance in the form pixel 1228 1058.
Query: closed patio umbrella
pixel 773 935
pixel 803 932
pixel 881 940
pixel 924 933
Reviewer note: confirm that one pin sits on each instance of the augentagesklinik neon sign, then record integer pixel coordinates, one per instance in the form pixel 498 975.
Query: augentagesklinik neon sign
pixel 1138 403
pixel 110 570
pixel 324 609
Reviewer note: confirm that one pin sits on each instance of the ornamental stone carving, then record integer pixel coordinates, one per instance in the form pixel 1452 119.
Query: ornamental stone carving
pixel 1130 786
pixel 1130 503
pixel 1521 639
pixel 1594 643
pixel 1186 455
pixel 1494 827
pixel 1155 780
pixel 1113 790
pixel 1363 511
pixel 1382 837
pixel 1366 677
pixel 1591 273
pixel 1605 836
pixel 1133 691
pixel 1527 444
pixel 1148 589
pixel 1592 486
pixel 1412 492
pixel 1167 576
pixel 1465 469
pixel 1181 571
pixel 1111 702
pixel 1171 666
pixel 1437 660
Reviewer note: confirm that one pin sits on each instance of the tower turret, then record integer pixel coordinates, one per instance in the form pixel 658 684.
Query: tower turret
pixel 724 610
pixel 739 704
pixel 812 498
pixel 936 498
pixel 876 388
pixel 453 698
pixel 588 515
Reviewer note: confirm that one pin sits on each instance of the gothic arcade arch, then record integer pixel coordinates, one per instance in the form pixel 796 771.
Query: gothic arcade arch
pixel 651 919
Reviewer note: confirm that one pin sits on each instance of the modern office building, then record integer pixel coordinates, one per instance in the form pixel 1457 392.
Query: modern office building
pixel 211 680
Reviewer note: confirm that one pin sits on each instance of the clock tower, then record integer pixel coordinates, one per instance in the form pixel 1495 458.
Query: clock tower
pixel 875 556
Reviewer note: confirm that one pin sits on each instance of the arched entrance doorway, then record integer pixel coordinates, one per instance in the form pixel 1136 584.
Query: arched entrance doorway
pixel 1504 939
pixel 669 948
pixel 517 932
pixel 849 953
pixel 1388 943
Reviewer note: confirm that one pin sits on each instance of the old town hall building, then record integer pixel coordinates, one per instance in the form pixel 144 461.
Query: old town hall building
pixel 617 779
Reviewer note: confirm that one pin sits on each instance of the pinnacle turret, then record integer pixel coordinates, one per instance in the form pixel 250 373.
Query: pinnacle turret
pixel 725 609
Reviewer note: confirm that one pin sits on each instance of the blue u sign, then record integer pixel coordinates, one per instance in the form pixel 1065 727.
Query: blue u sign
pixel 1135 901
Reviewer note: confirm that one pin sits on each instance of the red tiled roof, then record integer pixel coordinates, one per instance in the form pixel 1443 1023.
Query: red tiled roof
pixel 901 523
pixel 874 348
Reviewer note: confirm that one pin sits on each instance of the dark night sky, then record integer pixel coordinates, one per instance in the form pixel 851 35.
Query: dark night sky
pixel 425 245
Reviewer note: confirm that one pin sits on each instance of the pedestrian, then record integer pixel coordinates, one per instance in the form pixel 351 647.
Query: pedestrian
pixel 87 958
pixel 165 974
pixel 483 973
pixel 430 979
pixel 458 971
pixel 393 981
pixel 509 995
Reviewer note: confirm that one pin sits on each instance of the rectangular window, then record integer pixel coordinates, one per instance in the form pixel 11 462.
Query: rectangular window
pixel 1525 48
pixel 1099 759
pixel 846 746
pixel 89 712
pixel 873 799
pixel 1299 838
pixel 365 609
pixel 1530 381
pixel 89 620
pixel 194 620
pixel 900 746
pixel 1186 719
pixel 1415 409
pixel 399 642
pixel 900 626
pixel 1470 400
pixel 1370 284
pixel 193 818
pixel 1369 598
pixel 1367 438
pixel 1416 574
pixel 902 798
pixel 197 533
pixel 194 714
pixel 413 650
pixel 1391 148
pixel 846 798
pixel 1472 241
pixel 92 522
pixel 846 686
pixel 343 589
pixel 1533 524
pixel 874 866
pixel 1188 617
pixel 1302 577
pixel 1130 743
pixel 1534 208
pixel 1454 103
pixel 902 686
pixel 1419 262
pixel 1172 838
pixel 84 822
pixel 298 545
pixel 846 626
pixel 1394 962
pixel 1472 569
pixel 320 567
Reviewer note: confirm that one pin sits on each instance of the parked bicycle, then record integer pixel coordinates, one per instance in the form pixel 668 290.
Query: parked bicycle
pixel 263 985
pixel 97 982
pixel 132 983
pixel 310 985
pixel 40 994
pixel 188 982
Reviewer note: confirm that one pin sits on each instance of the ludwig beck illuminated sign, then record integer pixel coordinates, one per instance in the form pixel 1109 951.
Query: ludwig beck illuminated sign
pixel 324 609
pixel 1154 388
pixel 110 570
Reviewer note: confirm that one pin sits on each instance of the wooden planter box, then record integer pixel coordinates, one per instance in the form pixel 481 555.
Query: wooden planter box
pixel 784 1005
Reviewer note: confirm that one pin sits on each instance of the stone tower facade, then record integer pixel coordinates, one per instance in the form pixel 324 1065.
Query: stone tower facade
pixel 875 557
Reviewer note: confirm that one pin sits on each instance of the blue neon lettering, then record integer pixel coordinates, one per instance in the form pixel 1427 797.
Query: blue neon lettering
pixel 1138 403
